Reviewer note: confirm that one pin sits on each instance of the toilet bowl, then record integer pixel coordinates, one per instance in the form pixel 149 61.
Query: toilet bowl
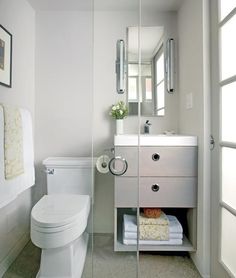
pixel 59 220
pixel 58 223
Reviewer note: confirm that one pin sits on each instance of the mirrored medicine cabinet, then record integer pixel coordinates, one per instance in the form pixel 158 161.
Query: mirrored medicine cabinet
pixel 148 70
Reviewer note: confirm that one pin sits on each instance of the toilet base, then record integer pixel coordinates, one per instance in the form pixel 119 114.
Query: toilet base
pixel 64 262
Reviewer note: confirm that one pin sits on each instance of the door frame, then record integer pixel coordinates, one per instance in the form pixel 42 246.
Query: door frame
pixel 218 268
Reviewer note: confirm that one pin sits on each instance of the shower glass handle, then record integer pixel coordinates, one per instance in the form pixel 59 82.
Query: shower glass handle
pixel 118 160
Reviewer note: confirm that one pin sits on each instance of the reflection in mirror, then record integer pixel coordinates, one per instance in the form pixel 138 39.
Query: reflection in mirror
pixel 152 73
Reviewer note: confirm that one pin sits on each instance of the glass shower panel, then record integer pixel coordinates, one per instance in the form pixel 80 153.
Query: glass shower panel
pixel 159 217
pixel 115 194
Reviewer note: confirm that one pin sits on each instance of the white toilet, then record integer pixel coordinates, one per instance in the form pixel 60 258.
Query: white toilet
pixel 59 219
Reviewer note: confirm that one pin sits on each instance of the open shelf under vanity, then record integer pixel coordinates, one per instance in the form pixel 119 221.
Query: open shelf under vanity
pixel 189 240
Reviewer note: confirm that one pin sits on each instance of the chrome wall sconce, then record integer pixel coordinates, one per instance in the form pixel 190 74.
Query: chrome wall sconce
pixel 120 66
pixel 170 71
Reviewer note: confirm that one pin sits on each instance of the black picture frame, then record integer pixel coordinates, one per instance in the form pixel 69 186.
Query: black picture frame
pixel 5 57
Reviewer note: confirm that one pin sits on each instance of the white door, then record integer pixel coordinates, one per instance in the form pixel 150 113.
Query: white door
pixel 223 233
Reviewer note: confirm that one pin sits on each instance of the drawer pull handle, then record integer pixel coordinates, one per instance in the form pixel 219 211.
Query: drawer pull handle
pixel 155 187
pixel 156 157
pixel 112 165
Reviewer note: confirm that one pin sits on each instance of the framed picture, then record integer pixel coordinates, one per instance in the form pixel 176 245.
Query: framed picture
pixel 5 57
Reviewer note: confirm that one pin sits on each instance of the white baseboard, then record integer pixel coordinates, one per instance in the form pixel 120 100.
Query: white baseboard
pixel 14 252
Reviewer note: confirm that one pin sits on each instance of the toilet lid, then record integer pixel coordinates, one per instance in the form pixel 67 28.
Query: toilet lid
pixel 60 209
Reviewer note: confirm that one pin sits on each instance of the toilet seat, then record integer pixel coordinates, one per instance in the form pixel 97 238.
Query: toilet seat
pixel 58 219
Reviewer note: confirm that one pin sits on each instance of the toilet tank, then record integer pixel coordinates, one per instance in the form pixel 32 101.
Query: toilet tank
pixel 72 175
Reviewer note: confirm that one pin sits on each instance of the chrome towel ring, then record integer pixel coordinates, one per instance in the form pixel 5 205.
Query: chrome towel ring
pixel 112 166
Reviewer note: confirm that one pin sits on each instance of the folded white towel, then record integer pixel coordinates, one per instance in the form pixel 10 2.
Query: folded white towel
pixel 153 242
pixel 133 235
pixel 175 226
pixel 130 224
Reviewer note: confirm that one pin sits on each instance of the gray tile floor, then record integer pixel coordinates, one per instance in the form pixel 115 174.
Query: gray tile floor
pixel 109 264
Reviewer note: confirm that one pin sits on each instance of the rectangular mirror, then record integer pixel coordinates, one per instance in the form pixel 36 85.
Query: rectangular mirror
pixel 152 69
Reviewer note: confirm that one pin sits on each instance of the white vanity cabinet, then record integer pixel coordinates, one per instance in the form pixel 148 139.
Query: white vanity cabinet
pixel 167 179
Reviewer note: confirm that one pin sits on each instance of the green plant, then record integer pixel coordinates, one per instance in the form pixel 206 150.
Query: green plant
pixel 119 111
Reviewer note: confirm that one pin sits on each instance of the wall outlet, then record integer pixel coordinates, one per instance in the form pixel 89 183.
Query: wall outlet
pixel 189 101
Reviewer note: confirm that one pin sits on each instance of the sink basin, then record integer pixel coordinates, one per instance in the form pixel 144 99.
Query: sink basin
pixel 155 140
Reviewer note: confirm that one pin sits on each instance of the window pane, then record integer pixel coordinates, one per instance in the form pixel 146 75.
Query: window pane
pixel 148 82
pixel 160 96
pixel 229 176
pixel 161 99
pixel 228 242
pixel 160 69
pixel 132 88
pixel 228 46
pixel 228 112
pixel 146 70
pixel 133 69
pixel 226 6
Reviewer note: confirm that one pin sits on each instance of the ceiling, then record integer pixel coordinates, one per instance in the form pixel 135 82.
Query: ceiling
pixel 71 5
pixel 150 39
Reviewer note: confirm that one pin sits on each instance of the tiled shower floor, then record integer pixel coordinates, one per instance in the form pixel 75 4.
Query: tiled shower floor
pixel 110 264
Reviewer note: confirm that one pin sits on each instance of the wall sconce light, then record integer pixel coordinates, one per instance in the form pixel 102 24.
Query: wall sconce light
pixel 120 66
pixel 170 66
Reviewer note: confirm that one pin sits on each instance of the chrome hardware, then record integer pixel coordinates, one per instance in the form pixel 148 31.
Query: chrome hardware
pixel 120 66
pixel 170 65
pixel 112 166
pixel 155 187
pixel 49 171
pixel 147 127
pixel 156 157
pixel 212 142
pixel 112 150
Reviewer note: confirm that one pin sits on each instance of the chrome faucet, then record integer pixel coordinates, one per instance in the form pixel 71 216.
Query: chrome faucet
pixel 147 127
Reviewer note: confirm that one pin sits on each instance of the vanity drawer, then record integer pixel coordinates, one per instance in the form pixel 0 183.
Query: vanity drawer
pixel 168 161
pixel 160 161
pixel 168 192
pixel 172 192
pixel 126 192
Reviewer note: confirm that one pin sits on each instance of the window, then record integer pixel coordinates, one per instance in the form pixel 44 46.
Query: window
pixel 159 83
pixel 146 82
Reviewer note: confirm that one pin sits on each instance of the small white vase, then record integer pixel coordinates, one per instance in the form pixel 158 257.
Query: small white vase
pixel 119 126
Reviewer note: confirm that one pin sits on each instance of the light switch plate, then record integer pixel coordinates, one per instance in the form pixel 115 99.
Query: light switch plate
pixel 189 101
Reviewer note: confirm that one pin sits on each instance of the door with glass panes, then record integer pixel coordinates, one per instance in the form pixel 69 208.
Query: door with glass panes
pixel 223 228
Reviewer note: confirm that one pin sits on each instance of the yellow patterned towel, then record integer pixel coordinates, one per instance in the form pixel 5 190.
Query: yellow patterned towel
pixel 162 220
pixel 154 232
pixel 13 142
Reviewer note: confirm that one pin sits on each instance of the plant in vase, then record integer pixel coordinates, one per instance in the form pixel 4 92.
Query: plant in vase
pixel 119 111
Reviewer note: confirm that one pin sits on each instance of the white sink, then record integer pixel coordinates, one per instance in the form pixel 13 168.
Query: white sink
pixel 155 140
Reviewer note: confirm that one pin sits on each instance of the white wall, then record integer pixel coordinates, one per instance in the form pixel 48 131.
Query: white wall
pixel 109 26
pixel 19 19
pixel 64 80
pixel 194 78
pixel 64 92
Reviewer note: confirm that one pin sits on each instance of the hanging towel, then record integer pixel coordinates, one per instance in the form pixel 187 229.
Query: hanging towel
pixel 13 142
pixel 11 188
